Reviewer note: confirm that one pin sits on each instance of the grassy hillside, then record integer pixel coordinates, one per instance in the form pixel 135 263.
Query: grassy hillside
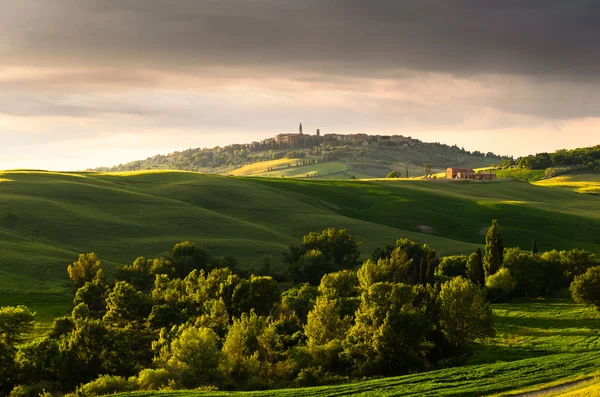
pixel 47 219
pixel 537 342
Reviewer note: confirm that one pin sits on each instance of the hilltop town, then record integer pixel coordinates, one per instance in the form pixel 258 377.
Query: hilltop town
pixel 320 155
pixel 287 140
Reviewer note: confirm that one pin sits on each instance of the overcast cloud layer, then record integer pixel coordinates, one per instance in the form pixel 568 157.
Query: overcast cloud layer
pixel 95 82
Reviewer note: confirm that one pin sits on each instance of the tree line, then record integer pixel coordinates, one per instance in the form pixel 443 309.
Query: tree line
pixel 188 320
pixel 588 157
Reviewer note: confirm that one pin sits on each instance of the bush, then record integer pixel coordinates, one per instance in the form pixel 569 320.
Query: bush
pixel 310 377
pixel 151 379
pixel 452 266
pixel 40 389
pixel 586 287
pixel 500 286
pixel 394 174
pixel 106 384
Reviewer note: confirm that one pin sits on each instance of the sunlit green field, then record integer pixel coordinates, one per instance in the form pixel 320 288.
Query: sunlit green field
pixel 47 219
pixel 537 342
pixel 264 167
pixel 580 183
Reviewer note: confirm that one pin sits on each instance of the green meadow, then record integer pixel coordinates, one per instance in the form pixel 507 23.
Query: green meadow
pixel 48 218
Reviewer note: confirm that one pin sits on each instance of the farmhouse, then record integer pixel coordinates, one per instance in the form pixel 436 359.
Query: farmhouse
pixel 468 173
pixel 460 173
pixel 486 176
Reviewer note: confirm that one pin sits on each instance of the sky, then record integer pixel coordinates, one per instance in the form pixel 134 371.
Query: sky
pixel 87 83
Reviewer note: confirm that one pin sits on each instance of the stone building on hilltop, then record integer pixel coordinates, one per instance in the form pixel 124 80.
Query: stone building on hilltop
pixel 469 174
pixel 460 173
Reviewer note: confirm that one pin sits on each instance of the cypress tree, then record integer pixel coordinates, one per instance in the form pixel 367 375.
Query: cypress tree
pixel 475 271
pixel 534 249
pixel 494 249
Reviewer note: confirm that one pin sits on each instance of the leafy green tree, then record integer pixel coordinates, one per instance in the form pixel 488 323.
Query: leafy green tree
pixel 142 271
pixel 383 252
pixel 214 316
pixel 43 361
pixel 61 326
pixel 533 275
pixel 259 293
pixel 85 269
pixel 93 295
pixel 464 313
pixel 186 256
pixel 310 267
pixel 94 348
pixel 424 261
pixel 325 323
pixel 452 266
pixel 534 248
pixel 343 287
pixel 125 304
pixel 494 249
pixel 299 300
pixel 15 323
pixel 396 269
pixel 194 355
pixel 427 167
pixel 8 367
pixel 475 271
pixel 586 287
pixel 500 286
pixel 577 261
pixel 339 251
pixel 390 330
pixel 250 347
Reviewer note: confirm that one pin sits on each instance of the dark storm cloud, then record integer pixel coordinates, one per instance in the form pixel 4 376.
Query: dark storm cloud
pixel 538 38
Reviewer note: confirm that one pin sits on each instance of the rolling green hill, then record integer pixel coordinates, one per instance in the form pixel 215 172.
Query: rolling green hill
pixel 47 219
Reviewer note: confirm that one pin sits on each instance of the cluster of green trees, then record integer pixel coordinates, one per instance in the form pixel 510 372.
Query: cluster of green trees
pixel 187 320
pixel 510 272
pixel 589 157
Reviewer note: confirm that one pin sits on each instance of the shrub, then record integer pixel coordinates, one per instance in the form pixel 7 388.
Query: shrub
pixel 153 379
pixel 106 384
pixel 500 286
pixel 586 287
pixel 310 377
